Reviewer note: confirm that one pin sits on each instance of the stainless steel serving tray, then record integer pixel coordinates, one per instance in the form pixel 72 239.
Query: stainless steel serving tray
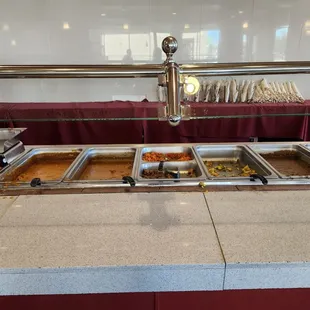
pixel 170 165
pixel 267 148
pixel 214 152
pixel 80 165
pixel 24 160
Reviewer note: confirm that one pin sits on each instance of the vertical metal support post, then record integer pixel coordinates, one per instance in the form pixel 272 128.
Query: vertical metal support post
pixel 172 80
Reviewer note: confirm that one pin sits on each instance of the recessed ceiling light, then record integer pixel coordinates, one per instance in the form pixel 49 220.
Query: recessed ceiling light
pixel 308 32
pixel 103 14
pixel 186 26
pixel 240 12
pixel 13 43
pixel 6 27
pixel 126 26
pixel 245 25
pixel 307 24
pixel 66 26
pixel 174 13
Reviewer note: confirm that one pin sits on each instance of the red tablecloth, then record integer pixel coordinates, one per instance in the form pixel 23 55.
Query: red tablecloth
pixel 152 131
pixel 77 132
pixel 232 129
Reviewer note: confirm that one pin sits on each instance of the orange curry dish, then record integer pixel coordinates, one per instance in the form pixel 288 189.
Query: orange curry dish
pixel 156 157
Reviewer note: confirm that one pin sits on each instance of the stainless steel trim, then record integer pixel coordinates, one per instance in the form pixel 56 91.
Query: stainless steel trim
pixel 33 152
pixel 207 183
pixel 152 70
pixel 172 78
pixel 246 68
pixel 89 152
pixel 261 148
pixel 80 71
pixel 169 47
pixel 174 92
pixel 232 151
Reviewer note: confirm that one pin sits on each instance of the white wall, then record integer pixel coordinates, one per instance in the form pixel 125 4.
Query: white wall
pixel 92 32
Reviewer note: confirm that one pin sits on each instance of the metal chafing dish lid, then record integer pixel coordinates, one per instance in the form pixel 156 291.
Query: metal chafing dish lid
pixel 7 134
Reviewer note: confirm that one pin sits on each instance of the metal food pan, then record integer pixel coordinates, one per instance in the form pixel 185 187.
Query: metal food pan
pixel 173 166
pixel 232 153
pixel 262 149
pixel 168 149
pixel 24 162
pixel 78 168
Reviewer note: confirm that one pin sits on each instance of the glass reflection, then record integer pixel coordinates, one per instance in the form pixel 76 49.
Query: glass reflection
pixel 140 45
pixel 280 43
pixel 229 31
pixel 209 45
pixel 130 48
pixel 244 47
pixel 116 46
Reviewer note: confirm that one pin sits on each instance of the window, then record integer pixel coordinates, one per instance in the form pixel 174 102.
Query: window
pixel 140 46
pixel 209 45
pixel 280 43
pixel 116 46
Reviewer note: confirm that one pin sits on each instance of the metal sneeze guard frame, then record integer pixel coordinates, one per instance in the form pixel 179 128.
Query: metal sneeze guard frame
pixel 168 73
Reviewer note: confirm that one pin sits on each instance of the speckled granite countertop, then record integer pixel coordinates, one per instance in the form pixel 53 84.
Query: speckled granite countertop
pixel 72 244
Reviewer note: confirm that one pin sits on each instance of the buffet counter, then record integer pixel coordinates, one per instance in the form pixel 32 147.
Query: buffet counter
pixel 148 242
pixel 183 238
pixel 220 221
pixel 44 124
